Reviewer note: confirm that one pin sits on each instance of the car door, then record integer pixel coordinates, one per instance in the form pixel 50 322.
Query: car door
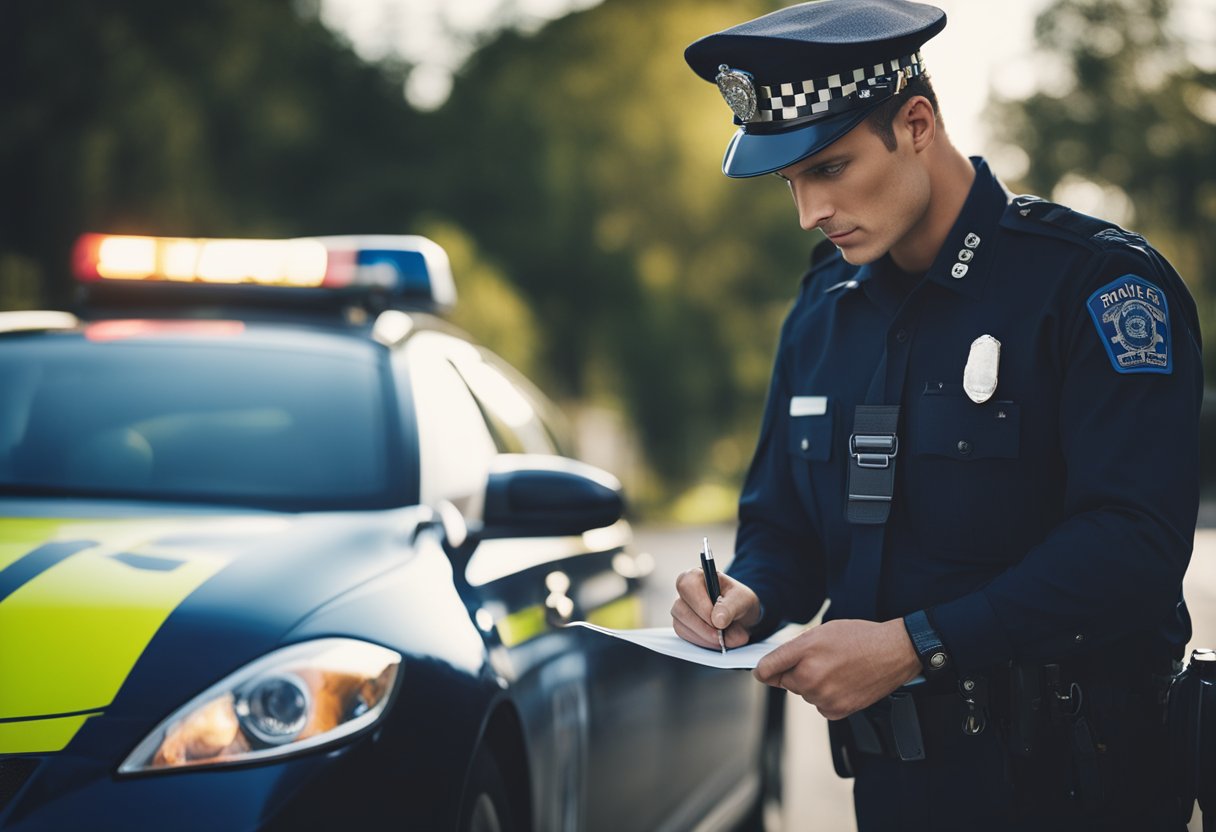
pixel 620 738
pixel 658 725
pixel 587 702
pixel 629 692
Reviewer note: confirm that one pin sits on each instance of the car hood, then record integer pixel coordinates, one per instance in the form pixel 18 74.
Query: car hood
pixel 83 598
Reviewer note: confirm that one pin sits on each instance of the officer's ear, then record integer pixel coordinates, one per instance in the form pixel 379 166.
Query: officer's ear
pixel 919 121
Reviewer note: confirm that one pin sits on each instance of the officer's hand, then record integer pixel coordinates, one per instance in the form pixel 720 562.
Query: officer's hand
pixel 842 666
pixel 696 620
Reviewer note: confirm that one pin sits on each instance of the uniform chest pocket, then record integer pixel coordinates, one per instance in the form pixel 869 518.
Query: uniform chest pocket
pixel 949 424
pixel 810 433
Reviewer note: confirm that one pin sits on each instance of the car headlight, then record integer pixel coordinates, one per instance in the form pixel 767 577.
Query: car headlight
pixel 292 700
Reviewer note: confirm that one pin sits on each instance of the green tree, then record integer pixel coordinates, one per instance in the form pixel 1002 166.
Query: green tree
pixel 216 117
pixel 1127 109
pixel 585 159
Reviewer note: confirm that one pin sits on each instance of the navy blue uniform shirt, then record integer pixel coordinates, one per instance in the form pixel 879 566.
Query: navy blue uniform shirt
pixel 1058 515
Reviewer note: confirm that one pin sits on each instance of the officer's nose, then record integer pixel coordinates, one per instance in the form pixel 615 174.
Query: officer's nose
pixel 813 208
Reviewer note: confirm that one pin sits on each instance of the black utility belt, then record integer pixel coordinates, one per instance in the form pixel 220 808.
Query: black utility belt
pixel 1028 699
pixel 897 726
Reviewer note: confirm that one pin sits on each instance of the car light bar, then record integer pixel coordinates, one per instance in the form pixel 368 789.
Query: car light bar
pixel 402 266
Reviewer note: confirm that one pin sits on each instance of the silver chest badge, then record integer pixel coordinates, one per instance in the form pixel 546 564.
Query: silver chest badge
pixel 980 374
pixel 740 93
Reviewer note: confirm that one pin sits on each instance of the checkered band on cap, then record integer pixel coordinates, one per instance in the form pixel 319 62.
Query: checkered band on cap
pixel 833 94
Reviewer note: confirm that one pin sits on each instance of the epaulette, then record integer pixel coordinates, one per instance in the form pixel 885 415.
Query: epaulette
pixel 1038 216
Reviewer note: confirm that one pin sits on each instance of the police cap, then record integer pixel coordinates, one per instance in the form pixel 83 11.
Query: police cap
pixel 801 77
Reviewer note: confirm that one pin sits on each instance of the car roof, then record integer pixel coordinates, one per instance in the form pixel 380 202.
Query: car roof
pixel 258 327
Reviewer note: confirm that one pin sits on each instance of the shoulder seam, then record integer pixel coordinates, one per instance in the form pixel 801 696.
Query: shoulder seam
pixel 1038 216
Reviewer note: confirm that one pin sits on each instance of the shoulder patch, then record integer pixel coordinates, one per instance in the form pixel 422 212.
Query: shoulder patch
pixel 1134 324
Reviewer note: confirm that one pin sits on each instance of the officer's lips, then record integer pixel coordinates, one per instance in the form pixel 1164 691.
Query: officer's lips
pixel 840 237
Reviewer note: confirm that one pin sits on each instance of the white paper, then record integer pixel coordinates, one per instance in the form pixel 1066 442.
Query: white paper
pixel 664 640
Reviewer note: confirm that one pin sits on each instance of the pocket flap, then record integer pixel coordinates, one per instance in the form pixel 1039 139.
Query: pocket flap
pixel 810 436
pixel 956 427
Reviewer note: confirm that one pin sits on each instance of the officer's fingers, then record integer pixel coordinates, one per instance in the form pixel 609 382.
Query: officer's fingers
pixel 769 671
pixel 691 587
pixel 777 661
pixel 696 634
pixel 692 627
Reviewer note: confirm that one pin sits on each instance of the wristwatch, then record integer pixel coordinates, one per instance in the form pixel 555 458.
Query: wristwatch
pixel 934 660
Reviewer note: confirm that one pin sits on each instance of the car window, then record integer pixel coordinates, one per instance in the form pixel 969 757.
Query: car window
pixel 193 420
pixel 509 411
pixel 455 446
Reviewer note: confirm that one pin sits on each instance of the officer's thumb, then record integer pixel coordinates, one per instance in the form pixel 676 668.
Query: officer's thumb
pixel 721 616
pixel 735 604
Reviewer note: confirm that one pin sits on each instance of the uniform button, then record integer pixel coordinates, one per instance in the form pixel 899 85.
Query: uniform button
pixel 965 255
pixel 1078 638
pixel 964 447
pixel 806 443
pixel 958 270
pixel 901 336
pixel 972 241
pixel 937 660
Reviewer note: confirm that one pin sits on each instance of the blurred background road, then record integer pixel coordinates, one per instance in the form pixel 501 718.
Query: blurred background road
pixel 816 800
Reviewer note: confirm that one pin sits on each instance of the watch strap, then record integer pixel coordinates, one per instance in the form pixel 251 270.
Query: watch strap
pixel 934 659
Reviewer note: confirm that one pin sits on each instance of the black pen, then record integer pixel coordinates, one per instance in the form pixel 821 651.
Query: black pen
pixel 711 582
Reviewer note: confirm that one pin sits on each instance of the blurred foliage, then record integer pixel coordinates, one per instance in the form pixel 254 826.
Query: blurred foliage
pixel 217 117
pixel 1125 109
pixel 587 163
pixel 487 303
pixel 572 176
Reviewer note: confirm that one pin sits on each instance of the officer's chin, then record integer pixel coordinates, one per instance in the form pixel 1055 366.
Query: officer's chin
pixel 858 256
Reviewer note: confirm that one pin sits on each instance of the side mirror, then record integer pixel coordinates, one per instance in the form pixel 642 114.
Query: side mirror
pixel 532 495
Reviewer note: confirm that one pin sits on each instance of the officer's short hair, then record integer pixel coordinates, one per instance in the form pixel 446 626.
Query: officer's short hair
pixel 882 120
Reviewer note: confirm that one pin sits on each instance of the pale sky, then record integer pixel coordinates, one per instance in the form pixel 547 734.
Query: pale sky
pixel 986 45
pixel 983 43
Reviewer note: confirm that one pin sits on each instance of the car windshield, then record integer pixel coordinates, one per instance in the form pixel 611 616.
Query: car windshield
pixel 194 420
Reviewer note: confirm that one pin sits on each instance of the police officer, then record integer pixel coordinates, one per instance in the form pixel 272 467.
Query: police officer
pixel 979 445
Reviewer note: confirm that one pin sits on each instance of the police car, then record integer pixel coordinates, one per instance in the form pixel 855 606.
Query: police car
pixel 281 549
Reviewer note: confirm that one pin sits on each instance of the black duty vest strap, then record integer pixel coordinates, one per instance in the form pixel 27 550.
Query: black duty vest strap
pixel 873 448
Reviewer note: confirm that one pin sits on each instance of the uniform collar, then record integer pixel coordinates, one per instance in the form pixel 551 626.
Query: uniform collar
pixel 966 257
pixel 971 243
pixel 885 284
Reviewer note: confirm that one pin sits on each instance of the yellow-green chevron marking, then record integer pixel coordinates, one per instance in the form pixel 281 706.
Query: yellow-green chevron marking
pixel 20 535
pixel 71 634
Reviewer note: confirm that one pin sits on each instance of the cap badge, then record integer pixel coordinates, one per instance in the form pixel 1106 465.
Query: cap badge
pixel 739 91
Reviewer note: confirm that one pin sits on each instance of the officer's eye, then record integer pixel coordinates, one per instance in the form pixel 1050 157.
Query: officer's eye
pixel 833 169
